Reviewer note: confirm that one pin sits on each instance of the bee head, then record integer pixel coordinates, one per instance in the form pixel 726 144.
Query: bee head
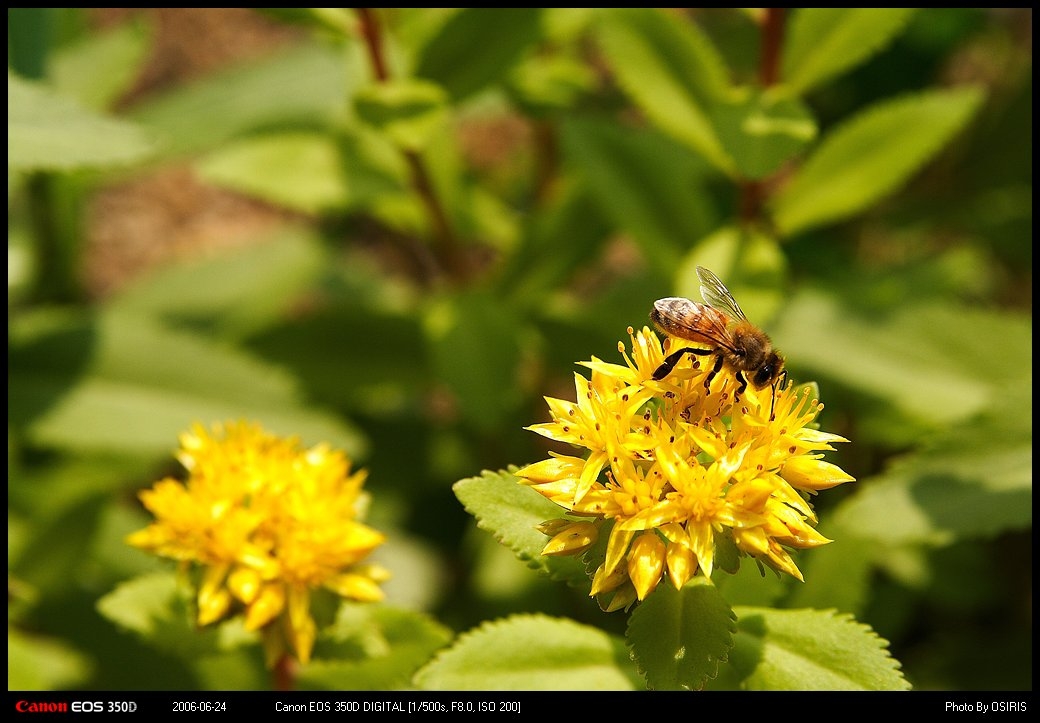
pixel 769 372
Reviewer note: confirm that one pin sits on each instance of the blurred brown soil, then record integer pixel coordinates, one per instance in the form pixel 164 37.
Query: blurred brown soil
pixel 169 213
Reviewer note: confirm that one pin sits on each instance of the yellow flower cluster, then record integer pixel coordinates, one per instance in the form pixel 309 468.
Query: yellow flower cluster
pixel 676 467
pixel 269 521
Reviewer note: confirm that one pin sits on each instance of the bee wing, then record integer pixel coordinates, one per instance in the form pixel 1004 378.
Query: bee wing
pixel 717 295
pixel 694 322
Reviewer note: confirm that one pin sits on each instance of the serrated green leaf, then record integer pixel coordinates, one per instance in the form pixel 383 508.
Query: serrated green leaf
pixel 871 156
pixel 48 132
pixel 512 512
pixel 372 647
pixel 532 652
pixel 823 43
pixel 124 383
pixel 762 130
pixel 300 171
pixel 158 609
pixel 679 637
pixel 645 183
pixel 672 72
pixel 811 650
pixel 476 47
pixel 408 111
pixel 39 663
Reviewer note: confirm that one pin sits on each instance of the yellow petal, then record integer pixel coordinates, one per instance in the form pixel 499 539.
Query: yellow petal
pixel 573 540
pixel 809 473
pixel 646 563
pixel 266 607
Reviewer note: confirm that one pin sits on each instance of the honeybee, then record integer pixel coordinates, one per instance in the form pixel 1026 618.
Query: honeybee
pixel 721 326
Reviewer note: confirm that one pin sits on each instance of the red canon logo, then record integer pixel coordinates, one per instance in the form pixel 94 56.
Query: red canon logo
pixel 41 706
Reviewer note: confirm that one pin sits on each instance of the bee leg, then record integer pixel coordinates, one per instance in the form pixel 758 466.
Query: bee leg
pixel 672 359
pixel 741 388
pixel 714 370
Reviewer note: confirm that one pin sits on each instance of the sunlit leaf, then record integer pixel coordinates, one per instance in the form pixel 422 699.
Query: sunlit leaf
pixel 299 171
pixel 872 155
pixel 646 183
pixel 512 512
pixel 762 131
pixel 671 70
pixel 232 293
pixel 916 360
pixel 159 610
pixel 46 131
pixel 98 68
pixel 823 43
pixel 810 650
pixel 121 382
pixel 477 47
pixel 305 86
pixel 679 637
pixel 408 111
pixel 36 662
pixel 970 480
pixel 532 652
pixel 372 647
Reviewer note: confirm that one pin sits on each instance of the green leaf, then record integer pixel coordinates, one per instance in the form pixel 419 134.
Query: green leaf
pixel 838 575
pixel 100 67
pixel 970 480
pixel 871 156
pixel 531 652
pixel 408 111
pixel 372 647
pixel 567 231
pixel 646 183
pixel 159 610
pixel 233 293
pixel 48 132
pixel 811 650
pixel 542 84
pixel 512 512
pixel 39 663
pixel 124 383
pixel 476 47
pixel 679 637
pixel 913 357
pixel 671 71
pixel 748 261
pixel 762 130
pixel 476 351
pixel 299 171
pixel 305 86
pixel 823 43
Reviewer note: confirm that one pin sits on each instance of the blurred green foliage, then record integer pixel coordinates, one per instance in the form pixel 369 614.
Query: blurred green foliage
pixel 470 201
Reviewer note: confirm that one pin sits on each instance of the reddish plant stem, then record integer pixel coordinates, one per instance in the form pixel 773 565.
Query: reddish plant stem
pixel 446 247
pixel 283 676
pixel 753 193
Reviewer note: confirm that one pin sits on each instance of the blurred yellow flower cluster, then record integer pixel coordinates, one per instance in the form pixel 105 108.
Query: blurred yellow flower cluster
pixel 676 468
pixel 269 521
